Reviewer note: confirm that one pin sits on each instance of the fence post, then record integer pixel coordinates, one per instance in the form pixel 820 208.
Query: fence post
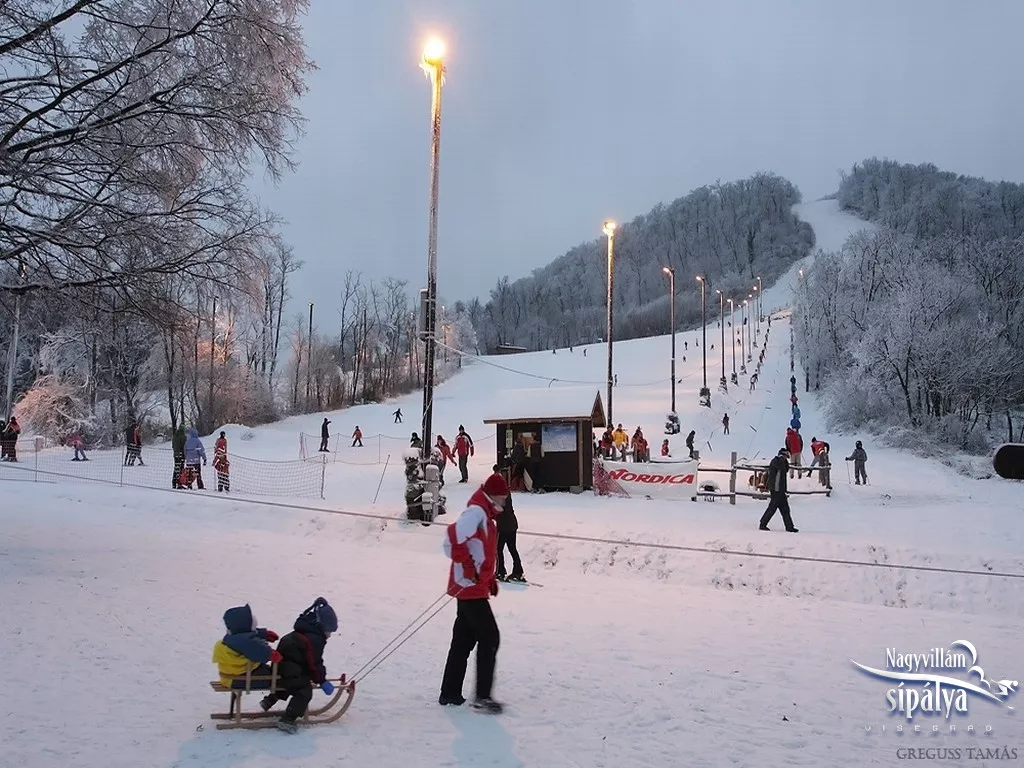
pixel 732 478
pixel 378 448
pixel 121 481
pixel 35 467
pixel 323 474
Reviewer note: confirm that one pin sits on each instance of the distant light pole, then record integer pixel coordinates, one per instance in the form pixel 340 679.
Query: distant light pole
pixel 671 272
pixel 750 334
pixel 432 65
pixel 309 356
pixel 721 321
pixel 732 335
pixel 705 393
pixel 609 231
pixel 744 319
pixel 213 342
pixel 760 302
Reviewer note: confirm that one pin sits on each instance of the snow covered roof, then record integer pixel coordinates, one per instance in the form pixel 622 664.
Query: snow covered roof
pixel 547 404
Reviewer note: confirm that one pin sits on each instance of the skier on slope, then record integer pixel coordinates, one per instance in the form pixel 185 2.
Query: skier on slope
pixel 859 457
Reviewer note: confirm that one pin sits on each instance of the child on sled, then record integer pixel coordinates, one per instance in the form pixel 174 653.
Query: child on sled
pixel 245 648
pixel 302 663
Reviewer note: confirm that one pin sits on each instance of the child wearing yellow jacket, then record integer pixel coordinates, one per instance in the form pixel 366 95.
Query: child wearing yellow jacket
pixel 245 648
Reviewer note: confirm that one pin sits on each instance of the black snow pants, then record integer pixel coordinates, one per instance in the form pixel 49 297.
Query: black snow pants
pixel 779 502
pixel 474 626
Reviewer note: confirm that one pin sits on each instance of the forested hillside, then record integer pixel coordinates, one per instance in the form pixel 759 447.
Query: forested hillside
pixel 730 232
pixel 918 324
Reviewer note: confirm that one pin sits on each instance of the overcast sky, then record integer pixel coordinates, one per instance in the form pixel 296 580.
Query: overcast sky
pixel 558 114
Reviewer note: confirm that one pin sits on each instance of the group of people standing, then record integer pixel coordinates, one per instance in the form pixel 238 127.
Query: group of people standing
pixel 445 453
pixel 617 445
pixel 190 458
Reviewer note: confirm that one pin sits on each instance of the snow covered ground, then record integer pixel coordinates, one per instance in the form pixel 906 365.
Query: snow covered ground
pixel 665 633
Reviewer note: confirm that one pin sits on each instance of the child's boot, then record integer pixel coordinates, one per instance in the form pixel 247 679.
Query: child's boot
pixel 288 726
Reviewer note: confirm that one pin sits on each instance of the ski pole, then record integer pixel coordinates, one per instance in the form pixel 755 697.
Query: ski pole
pixel 849 478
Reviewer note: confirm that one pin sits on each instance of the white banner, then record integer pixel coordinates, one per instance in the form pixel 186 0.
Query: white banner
pixel 657 479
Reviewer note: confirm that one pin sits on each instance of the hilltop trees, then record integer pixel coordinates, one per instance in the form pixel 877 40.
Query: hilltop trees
pixel 730 232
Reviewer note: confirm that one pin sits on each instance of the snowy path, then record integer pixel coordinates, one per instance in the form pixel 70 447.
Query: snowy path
pixel 597 671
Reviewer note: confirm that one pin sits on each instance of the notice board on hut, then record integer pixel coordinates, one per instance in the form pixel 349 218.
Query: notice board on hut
pixel 545 436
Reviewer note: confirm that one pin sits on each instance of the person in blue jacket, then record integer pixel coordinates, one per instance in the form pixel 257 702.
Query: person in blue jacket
pixel 245 649
pixel 194 451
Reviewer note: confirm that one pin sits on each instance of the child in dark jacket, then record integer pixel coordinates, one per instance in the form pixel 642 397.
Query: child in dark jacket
pixel 245 648
pixel 302 663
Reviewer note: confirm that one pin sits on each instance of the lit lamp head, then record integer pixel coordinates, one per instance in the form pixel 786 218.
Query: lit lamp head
pixel 667 270
pixel 609 228
pixel 433 56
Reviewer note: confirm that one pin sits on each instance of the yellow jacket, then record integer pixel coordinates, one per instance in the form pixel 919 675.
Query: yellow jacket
pixel 620 438
pixel 230 664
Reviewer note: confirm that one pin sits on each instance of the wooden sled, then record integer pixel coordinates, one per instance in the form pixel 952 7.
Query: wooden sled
pixel 328 713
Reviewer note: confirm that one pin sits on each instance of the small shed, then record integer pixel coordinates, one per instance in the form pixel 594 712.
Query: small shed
pixel 555 426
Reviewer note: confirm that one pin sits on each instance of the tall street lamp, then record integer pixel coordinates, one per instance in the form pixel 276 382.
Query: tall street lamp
pixel 705 393
pixel 744 318
pixel 721 321
pixel 757 320
pixel 309 356
pixel 433 67
pixel 670 271
pixel 732 335
pixel 609 231
pixel 760 302
pixel 750 334
pixel 213 341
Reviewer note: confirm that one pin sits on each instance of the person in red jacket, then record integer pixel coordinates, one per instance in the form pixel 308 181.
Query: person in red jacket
pixel 472 544
pixel 221 464
pixel 445 455
pixel 463 449
pixel 795 445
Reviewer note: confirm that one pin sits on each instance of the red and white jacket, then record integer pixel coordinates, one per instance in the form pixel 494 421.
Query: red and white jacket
pixel 472 544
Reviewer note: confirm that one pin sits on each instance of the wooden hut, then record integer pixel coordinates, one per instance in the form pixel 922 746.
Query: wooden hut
pixel 556 427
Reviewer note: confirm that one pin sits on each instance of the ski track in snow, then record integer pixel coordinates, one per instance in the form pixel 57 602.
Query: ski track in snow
pixel 630 656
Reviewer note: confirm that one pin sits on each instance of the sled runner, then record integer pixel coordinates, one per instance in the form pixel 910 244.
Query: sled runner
pixel 328 713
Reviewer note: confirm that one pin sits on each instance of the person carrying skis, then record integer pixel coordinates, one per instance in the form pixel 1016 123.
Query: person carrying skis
pixel 302 663
pixel 471 544
pixel 777 487
pixel 221 464
pixel 859 457
pixel 725 424
pixel 325 435
pixel 357 437
pixel 463 449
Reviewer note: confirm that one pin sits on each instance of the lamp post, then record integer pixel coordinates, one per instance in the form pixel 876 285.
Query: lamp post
pixel 12 354
pixel 309 356
pixel 760 302
pixel 705 393
pixel 757 309
pixel 432 64
pixel 744 319
pixel 670 271
pixel 750 334
pixel 609 231
pixel 732 335
pixel 721 321
pixel 213 342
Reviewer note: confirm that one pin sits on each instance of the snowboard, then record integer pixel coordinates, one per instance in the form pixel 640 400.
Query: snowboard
pixel 1008 461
